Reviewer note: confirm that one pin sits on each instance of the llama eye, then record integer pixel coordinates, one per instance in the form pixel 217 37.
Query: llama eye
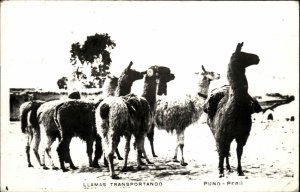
pixel 149 72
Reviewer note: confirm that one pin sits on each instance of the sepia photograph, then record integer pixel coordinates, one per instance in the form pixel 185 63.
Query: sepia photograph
pixel 149 96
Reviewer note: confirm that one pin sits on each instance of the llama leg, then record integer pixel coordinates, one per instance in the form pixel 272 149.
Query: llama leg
pixel 150 136
pixel 139 160
pixel 98 151
pixel 127 149
pixel 62 151
pixel 48 152
pixel 27 148
pixel 105 162
pixel 140 154
pixel 175 156
pixel 36 143
pixel 239 152
pixel 45 140
pixel 89 150
pixel 61 156
pixel 221 163
pixel 143 150
pixel 115 143
pixel 118 154
pixel 110 144
pixel 110 159
pixel 227 164
pixel 228 167
pixel 180 142
pixel 140 150
pixel 182 163
pixel 69 159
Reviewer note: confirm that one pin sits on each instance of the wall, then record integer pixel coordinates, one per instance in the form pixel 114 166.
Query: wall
pixel 19 96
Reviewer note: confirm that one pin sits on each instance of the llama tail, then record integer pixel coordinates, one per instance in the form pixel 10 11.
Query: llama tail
pixel 24 109
pixel 104 111
pixel 111 116
pixel 33 115
pixel 55 115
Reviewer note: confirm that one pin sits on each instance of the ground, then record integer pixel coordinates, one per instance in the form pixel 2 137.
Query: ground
pixel 270 162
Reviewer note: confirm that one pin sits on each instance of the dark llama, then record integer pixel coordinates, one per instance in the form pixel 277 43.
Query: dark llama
pixel 151 90
pixel 232 119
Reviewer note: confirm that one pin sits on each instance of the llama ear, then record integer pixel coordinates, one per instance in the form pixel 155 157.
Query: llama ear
pixel 130 64
pixel 239 47
pixel 150 72
pixel 203 69
pixel 108 76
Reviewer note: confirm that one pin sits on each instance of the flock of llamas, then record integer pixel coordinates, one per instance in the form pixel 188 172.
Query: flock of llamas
pixel 117 112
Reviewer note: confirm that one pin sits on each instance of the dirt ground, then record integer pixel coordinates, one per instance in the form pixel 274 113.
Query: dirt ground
pixel 270 162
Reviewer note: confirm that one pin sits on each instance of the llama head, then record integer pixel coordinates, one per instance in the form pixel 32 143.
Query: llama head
pixel 129 75
pixel 157 72
pixel 111 82
pixel 151 74
pixel 165 76
pixel 209 75
pixel 243 59
pixel 159 75
pixel 126 80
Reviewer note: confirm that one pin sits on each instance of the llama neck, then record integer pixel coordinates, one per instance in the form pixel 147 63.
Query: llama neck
pixel 237 80
pixel 109 88
pixel 123 88
pixel 202 92
pixel 149 91
pixel 200 97
pixel 203 85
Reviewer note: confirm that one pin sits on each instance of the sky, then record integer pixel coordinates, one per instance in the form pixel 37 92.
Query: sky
pixel 36 38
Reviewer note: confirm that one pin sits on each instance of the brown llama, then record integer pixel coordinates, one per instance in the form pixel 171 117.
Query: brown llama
pixel 232 119
pixel 164 78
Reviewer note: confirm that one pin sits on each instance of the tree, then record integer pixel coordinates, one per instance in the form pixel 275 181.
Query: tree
pixel 95 53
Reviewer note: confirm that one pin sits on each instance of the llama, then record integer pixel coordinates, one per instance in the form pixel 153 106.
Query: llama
pixel 109 88
pixel 126 116
pixel 232 119
pixel 83 125
pixel 122 116
pixel 154 74
pixel 178 114
pixel 74 118
pixel 48 129
pixel 30 127
pixel 165 77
